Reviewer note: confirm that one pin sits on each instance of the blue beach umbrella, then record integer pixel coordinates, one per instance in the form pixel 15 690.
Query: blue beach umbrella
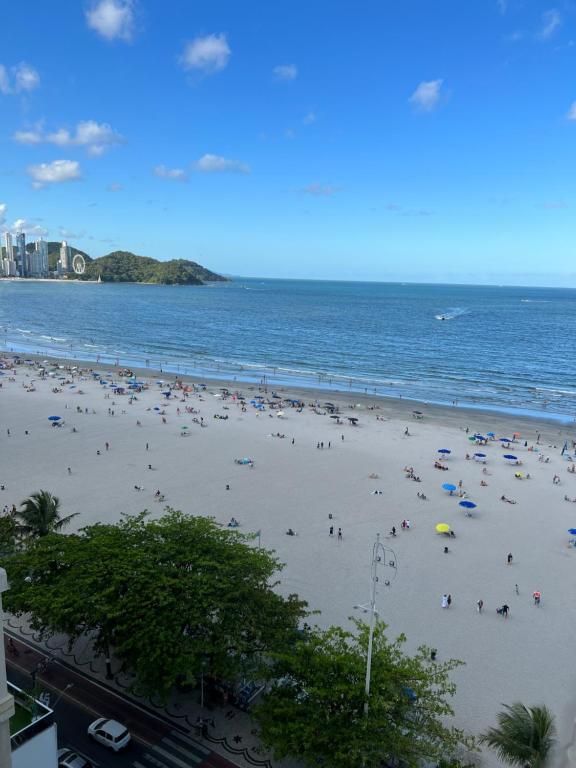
pixel 444 451
pixel 509 457
pixel 156 408
pixel 480 456
pixel 467 504
pixel 449 487
pixel 572 531
pixel 505 440
pixel 54 418
pixel 490 434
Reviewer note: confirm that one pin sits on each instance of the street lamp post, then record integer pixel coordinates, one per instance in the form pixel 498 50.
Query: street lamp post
pixel 381 555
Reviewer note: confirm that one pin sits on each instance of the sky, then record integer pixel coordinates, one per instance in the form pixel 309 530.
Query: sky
pixel 351 139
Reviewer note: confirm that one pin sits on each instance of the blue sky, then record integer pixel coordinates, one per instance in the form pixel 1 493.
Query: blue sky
pixel 368 140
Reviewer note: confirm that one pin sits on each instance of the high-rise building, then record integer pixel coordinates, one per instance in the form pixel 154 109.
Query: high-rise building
pixel 21 259
pixel 38 259
pixel 8 263
pixel 8 245
pixel 65 262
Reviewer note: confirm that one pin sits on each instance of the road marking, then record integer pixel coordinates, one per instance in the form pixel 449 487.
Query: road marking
pixel 190 755
pixel 176 760
pixel 190 742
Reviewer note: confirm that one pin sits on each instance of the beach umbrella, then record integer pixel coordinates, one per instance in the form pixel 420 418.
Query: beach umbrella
pixel 467 504
pixel 449 487
pixel 479 437
pixel 572 531
pixel 156 408
pixel 444 451
pixel 442 528
pixel 54 418
pixel 480 456
pixel 472 439
pixel 510 457
pixel 505 440
pixel 490 434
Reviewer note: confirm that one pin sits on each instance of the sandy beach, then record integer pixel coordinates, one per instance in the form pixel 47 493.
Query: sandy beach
pixel 359 478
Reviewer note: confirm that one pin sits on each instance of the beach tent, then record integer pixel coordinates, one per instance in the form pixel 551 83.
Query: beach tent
pixel 510 457
pixel 54 418
pixel 444 451
pixel 480 457
pixel 442 528
pixel 449 487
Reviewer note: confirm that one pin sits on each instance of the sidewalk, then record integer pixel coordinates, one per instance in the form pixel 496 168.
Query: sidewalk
pixel 233 736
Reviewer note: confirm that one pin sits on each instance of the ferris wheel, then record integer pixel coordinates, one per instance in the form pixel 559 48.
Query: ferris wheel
pixel 79 264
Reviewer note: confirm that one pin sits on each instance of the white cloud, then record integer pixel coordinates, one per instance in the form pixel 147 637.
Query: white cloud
pixel 32 136
pixel 112 19
pixel 426 95
pixel 96 137
pixel 19 79
pixel 218 164
pixel 26 78
pixel 319 190
pixel 23 225
pixel 3 207
pixel 285 72
pixel 310 118
pixel 572 112
pixel 551 21
pixel 173 174
pixel 55 172
pixel 207 54
pixel 70 234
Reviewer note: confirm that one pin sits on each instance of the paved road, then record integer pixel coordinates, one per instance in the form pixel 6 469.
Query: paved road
pixel 155 744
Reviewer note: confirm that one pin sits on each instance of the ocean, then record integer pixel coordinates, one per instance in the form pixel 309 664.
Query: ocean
pixel 504 348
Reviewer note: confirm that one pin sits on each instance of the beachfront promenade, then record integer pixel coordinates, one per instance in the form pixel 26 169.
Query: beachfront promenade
pixel 312 471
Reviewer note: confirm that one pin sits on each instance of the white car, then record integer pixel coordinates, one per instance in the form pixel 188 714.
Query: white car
pixel 67 758
pixel 110 733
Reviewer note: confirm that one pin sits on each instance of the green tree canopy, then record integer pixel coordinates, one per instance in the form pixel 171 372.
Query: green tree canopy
pixel 524 735
pixel 170 596
pixel 315 712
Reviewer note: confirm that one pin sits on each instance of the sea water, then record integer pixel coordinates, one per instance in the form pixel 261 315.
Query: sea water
pixel 496 347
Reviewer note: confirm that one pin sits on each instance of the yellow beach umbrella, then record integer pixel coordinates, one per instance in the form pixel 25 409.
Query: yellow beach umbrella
pixel 443 528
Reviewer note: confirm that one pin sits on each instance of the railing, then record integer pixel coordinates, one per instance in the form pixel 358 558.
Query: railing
pixel 41 716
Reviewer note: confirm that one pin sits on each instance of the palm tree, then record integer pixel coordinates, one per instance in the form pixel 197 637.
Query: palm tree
pixel 40 515
pixel 524 735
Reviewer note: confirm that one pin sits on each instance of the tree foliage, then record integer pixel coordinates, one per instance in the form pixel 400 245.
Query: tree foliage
pixel 170 596
pixel 524 735
pixel 123 266
pixel 39 515
pixel 315 711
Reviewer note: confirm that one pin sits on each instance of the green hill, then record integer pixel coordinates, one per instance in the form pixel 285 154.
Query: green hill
pixel 126 267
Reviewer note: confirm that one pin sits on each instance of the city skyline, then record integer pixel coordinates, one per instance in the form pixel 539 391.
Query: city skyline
pixel 339 142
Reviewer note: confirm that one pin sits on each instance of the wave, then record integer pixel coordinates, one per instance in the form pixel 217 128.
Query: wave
pixel 452 313
pixel 23 330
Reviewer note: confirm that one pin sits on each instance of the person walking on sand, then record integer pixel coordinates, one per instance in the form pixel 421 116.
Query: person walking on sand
pixel 331 533
pixel 509 558
pixel 537 595
pixel 480 605
pixel 339 534
pixel 449 600
pixel 444 601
